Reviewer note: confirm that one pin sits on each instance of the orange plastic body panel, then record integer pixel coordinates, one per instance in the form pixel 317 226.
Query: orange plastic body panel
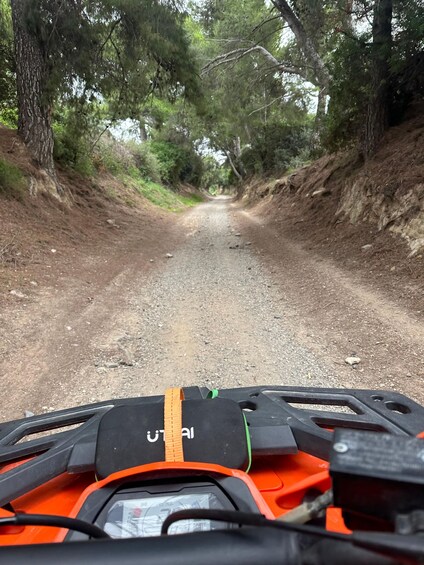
pixel 277 484
pixel 58 496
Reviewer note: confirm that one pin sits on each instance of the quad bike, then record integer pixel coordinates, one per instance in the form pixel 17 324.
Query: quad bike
pixel 295 476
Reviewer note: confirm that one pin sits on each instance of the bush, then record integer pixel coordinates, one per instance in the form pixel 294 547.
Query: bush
pixel 177 163
pixel 145 161
pixel 276 148
pixel 170 160
pixel 349 93
pixel 9 117
pixel 72 150
pixel 115 157
pixel 192 171
pixel 12 181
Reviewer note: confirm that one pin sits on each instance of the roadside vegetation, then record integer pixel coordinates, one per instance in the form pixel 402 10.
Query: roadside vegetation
pixel 12 181
pixel 206 93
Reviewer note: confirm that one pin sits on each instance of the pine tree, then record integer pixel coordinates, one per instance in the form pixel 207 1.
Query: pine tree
pixel 121 50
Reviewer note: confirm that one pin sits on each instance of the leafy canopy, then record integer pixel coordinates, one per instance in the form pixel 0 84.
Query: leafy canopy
pixel 121 50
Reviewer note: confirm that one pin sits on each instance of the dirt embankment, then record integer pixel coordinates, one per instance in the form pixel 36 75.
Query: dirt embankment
pixel 367 217
pixel 42 238
pixel 386 192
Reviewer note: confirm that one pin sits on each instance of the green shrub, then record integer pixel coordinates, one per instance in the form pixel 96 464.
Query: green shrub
pixel 9 117
pixel 349 93
pixel 145 161
pixel 72 150
pixel 170 160
pixel 192 171
pixel 177 163
pixel 116 157
pixel 12 181
pixel 275 148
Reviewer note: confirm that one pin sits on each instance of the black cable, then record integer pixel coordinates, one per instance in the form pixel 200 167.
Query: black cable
pixel 246 519
pixel 55 522
pixel 406 549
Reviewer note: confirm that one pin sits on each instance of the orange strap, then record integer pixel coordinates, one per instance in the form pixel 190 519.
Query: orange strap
pixel 173 424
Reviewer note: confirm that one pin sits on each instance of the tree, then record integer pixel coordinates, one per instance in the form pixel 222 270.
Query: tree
pixel 34 102
pixel 296 58
pixel 251 81
pixel 377 113
pixel 387 34
pixel 346 48
pixel 321 76
pixel 120 50
pixel 7 66
pixel 377 68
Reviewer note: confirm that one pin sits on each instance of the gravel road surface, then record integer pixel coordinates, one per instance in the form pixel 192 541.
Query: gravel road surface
pixel 226 309
pixel 213 316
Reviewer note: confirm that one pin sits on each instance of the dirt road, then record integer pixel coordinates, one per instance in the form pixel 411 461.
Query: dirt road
pixel 233 306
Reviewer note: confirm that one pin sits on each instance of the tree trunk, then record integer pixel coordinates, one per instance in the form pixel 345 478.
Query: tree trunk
pixel 237 147
pixel 320 117
pixel 35 112
pixel 143 131
pixel 321 77
pixel 377 114
pixel 232 165
pixel 237 153
pixel 322 104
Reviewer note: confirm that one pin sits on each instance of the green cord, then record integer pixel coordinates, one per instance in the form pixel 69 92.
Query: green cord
pixel 214 394
pixel 249 445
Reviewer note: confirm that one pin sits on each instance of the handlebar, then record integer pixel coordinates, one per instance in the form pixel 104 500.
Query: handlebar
pixel 245 546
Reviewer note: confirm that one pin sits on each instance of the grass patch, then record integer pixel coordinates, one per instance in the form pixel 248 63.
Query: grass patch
pixel 112 194
pixel 191 199
pixel 12 180
pixel 165 197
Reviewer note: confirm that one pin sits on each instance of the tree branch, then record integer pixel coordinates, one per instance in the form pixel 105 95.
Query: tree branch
pixel 265 106
pixel 322 76
pixel 232 165
pixel 96 141
pixel 238 54
pixel 54 25
pixel 264 22
pixel 109 35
